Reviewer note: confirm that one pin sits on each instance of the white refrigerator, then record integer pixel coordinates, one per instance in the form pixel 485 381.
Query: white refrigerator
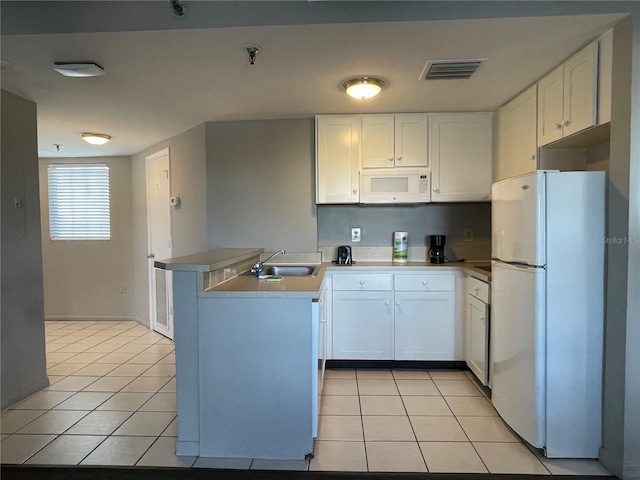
pixel 547 309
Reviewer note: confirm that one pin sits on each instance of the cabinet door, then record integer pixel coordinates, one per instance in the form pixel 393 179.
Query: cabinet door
pixel 362 325
pixel 424 325
pixel 411 140
pixel 476 341
pixel 550 98
pixel 337 159
pixel 580 90
pixel 377 141
pixel 517 140
pixel 461 157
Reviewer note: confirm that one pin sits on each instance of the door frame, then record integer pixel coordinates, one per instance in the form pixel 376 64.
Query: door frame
pixel 150 260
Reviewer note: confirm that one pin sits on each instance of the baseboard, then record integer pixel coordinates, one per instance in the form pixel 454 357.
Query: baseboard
pixel 92 318
pixel 611 463
pixel 408 364
pixel 188 448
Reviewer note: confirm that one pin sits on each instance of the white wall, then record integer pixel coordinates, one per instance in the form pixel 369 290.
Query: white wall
pixel 621 401
pixel 82 279
pixel 22 325
pixel 261 186
pixel 188 222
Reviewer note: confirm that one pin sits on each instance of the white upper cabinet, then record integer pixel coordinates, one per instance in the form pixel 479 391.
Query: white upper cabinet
pixel 461 153
pixel 390 141
pixel 568 97
pixel 337 159
pixel 516 151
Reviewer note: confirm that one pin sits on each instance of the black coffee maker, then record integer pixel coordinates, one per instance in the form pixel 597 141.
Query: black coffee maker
pixel 436 249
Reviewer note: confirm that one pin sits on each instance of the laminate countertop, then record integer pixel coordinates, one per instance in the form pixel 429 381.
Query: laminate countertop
pixel 248 286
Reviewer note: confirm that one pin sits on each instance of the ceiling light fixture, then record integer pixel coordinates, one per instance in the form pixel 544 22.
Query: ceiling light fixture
pixel 95 138
pixel 363 87
pixel 78 69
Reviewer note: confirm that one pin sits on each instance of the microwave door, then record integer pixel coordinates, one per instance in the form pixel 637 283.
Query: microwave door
pixel 390 187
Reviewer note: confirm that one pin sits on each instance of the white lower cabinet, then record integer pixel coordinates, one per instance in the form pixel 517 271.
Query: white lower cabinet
pixel 477 329
pixel 363 325
pixel 424 325
pixel 393 317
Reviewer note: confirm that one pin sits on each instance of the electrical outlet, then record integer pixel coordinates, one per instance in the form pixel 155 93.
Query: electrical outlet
pixel 123 288
pixel 467 235
pixel 355 234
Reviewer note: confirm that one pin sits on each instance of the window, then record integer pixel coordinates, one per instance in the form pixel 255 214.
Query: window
pixel 79 202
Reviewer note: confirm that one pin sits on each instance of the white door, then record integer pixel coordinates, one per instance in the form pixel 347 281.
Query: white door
pixel 424 325
pixel 159 237
pixel 363 325
pixel 377 141
pixel 517 357
pixel 411 139
pixel 477 332
pixel 518 218
pixel 461 155
pixel 337 159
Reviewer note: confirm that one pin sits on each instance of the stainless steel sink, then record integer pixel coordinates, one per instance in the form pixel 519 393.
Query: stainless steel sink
pixel 288 271
pixel 291 270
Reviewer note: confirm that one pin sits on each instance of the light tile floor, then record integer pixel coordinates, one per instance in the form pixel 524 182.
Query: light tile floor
pixel 112 401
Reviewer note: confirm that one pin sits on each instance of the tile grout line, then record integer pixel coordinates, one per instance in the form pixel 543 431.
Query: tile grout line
pixel 424 460
pixel 364 438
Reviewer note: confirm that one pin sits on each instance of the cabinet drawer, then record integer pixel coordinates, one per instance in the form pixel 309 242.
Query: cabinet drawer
pixel 425 283
pixel 478 289
pixel 363 282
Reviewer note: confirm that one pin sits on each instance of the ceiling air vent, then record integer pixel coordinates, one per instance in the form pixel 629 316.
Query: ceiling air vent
pixel 450 69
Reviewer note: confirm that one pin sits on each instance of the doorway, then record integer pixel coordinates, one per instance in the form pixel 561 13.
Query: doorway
pixel 158 181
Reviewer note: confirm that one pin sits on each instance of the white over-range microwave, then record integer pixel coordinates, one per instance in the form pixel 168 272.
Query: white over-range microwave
pixel 395 186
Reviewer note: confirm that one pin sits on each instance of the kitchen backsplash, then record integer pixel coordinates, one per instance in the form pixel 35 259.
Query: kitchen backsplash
pixel 378 223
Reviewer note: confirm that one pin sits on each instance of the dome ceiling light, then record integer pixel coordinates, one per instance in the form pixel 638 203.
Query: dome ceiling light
pixel 78 69
pixel 95 138
pixel 363 87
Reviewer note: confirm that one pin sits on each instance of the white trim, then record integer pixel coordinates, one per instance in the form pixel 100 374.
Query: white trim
pixel 150 266
pixel 93 318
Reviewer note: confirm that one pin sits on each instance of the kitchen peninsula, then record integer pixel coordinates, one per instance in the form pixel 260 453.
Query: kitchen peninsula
pixel 246 358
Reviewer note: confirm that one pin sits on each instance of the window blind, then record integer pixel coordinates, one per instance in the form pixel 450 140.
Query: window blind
pixel 79 202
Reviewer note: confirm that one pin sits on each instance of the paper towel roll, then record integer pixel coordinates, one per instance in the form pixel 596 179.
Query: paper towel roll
pixel 400 247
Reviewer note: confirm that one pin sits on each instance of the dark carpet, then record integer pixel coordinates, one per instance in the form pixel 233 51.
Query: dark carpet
pixel 21 472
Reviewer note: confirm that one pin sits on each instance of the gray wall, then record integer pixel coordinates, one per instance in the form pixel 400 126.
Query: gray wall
pixel 378 224
pixel 82 278
pixel 188 221
pixel 621 407
pixel 261 185
pixel 22 323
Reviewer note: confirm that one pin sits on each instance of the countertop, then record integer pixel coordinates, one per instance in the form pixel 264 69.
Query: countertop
pixel 248 286
pixel 208 261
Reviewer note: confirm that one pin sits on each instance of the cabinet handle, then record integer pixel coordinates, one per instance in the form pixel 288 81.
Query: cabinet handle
pixel 533 157
pixel 566 123
pixel 361 282
pixel 387 303
pixel 391 158
pixel 476 289
pixel 558 126
pixel 424 282
pixel 437 190
pixel 397 304
pixel 399 157
pixel 355 190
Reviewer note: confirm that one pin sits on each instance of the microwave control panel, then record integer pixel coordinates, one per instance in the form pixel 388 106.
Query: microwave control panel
pixel 424 188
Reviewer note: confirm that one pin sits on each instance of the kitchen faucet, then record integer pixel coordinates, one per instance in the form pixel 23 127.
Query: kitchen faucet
pixel 257 267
